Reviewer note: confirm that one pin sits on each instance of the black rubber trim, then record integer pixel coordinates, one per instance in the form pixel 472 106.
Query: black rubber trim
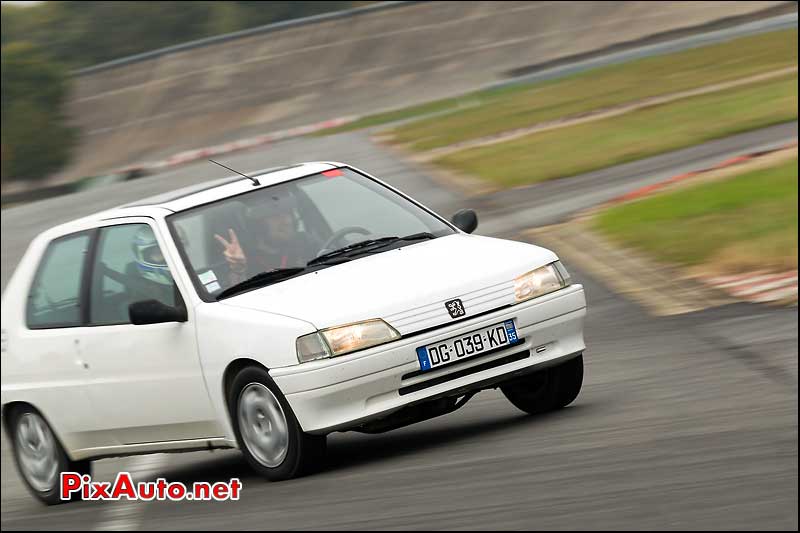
pixel 461 361
pixel 86 278
pixel 519 356
pixel 476 386
pixel 463 319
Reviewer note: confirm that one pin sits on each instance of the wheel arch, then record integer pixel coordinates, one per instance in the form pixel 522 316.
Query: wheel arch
pixel 233 368
pixel 10 408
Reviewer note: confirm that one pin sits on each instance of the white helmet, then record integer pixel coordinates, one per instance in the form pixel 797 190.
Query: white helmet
pixel 149 258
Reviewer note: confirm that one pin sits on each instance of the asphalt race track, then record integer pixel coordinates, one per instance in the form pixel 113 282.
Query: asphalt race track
pixel 684 422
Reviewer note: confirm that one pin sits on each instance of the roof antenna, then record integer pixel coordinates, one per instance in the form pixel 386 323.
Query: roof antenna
pixel 256 183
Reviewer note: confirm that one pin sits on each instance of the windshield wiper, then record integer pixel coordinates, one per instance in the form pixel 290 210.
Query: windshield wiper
pixel 260 280
pixel 366 246
pixel 341 255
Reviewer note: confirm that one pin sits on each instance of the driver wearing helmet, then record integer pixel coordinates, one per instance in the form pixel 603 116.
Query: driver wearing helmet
pixel 277 243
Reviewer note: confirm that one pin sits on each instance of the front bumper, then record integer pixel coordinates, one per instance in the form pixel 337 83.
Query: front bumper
pixel 340 393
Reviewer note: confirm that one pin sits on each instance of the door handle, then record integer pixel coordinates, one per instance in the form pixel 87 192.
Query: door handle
pixel 80 362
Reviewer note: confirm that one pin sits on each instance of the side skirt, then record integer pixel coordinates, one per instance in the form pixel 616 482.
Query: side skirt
pixel 175 446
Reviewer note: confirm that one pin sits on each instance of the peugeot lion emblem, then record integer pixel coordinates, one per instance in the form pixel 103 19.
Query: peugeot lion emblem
pixel 455 308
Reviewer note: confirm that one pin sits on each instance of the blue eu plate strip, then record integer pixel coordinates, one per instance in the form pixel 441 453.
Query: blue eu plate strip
pixel 422 355
pixel 511 331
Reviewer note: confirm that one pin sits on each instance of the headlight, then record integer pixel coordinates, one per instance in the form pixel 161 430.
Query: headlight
pixel 541 281
pixel 340 340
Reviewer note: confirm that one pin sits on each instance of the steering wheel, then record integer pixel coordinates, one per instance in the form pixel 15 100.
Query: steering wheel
pixel 337 235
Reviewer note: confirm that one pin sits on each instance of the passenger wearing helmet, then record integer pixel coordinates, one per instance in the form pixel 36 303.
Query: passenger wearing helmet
pixel 151 267
pixel 148 257
pixel 276 242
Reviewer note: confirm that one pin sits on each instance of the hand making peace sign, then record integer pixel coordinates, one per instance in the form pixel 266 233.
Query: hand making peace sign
pixel 232 251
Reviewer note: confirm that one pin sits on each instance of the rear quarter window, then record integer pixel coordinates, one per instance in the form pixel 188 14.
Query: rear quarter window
pixel 54 297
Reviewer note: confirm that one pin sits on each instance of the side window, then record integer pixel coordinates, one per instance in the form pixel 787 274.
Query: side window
pixel 54 298
pixel 129 267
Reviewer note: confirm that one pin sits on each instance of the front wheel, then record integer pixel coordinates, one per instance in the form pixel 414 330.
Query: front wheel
pixel 40 457
pixel 547 389
pixel 267 431
pixel 570 381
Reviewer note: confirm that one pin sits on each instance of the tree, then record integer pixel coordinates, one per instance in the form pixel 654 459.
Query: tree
pixel 84 33
pixel 36 139
pixel 43 42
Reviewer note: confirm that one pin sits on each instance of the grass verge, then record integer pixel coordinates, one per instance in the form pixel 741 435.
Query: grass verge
pixel 642 133
pixel 483 113
pixel 743 223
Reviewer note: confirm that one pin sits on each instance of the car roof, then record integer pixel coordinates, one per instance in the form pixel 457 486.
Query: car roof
pixel 185 198
pixel 210 191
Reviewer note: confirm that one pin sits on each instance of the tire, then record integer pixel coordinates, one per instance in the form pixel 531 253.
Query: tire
pixel 534 393
pixel 548 389
pixel 570 381
pixel 268 434
pixel 39 455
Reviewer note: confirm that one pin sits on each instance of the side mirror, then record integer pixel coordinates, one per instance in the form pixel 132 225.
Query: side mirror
pixel 466 220
pixel 154 312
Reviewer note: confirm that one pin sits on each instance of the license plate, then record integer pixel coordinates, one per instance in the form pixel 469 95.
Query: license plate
pixel 467 345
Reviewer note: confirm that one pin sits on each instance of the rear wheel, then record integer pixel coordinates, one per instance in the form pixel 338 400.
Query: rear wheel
pixel 548 389
pixel 267 431
pixel 39 456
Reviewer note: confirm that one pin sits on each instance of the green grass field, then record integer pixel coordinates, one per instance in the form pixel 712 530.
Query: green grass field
pixel 484 113
pixel 645 132
pixel 745 222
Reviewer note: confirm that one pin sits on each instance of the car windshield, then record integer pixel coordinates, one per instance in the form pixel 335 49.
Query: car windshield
pixel 278 232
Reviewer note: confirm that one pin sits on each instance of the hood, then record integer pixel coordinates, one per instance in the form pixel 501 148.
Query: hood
pixel 407 287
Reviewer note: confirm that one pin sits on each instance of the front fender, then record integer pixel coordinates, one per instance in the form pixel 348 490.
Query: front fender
pixel 226 333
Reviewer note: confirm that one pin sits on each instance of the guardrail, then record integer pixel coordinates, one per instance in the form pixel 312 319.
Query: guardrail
pixel 629 51
pixel 259 30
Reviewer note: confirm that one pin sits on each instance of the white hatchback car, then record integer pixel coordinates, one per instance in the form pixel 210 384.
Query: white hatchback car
pixel 263 315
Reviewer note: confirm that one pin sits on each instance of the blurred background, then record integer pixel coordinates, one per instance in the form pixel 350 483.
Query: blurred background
pixel 652 145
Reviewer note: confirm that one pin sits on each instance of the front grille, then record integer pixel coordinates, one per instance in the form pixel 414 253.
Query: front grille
pixel 519 356
pixel 433 315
